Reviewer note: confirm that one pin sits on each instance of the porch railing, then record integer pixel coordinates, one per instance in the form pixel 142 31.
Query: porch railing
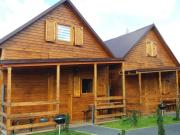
pixel 109 107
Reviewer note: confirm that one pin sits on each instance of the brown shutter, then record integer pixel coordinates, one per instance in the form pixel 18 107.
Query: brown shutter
pixel 154 49
pixel 50 31
pixel 78 35
pixel 148 48
pixel 77 86
pixel 72 35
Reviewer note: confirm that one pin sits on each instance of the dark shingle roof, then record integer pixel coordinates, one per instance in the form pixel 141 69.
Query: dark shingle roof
pixel 120 46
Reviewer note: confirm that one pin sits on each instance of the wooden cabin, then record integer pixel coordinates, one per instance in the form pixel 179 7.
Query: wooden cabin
pixel 151 69
pixel 56 64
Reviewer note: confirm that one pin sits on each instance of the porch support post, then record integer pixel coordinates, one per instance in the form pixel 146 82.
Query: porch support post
pixel 160 86
pixel 140 86
pixel 177 89
pixel 9 89
pixel 95 91
pixel 57 87
pixel 1 97
pixel 124 87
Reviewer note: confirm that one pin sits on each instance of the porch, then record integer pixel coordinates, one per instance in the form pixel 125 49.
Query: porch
pixel 39 89
pixel 151 87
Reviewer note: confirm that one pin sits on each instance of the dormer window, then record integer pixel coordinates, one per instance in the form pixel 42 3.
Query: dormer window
pixel 64 33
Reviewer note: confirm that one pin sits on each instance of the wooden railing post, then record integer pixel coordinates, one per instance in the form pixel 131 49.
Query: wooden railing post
pixel 57 87
pixel 1 98
pixel 124 86
pixel 140 86
pixel 9 90
pixel 160 86
pixel 177 89
pixel 95 91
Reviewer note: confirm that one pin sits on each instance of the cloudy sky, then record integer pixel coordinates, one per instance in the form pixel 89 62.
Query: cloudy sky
pixel 109 18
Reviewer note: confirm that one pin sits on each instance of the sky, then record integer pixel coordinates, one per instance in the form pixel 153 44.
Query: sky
pixel 109 18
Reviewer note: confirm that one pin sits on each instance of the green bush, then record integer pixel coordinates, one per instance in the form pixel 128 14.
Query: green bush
pixel 160 125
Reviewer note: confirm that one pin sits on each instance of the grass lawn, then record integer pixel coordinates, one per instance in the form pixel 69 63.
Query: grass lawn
pixel 62 133
pixel 144 121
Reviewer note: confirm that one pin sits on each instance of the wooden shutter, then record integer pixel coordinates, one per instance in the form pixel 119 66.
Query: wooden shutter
pixel 154 49
pixel 78 35
pixel 148 48
pixel 50 31
pixel 77 86
pixel 72 35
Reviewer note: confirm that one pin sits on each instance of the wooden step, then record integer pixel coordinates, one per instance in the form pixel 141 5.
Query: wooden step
pixel 110 115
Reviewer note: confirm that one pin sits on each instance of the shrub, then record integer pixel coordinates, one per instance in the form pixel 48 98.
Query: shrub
pixel 67 123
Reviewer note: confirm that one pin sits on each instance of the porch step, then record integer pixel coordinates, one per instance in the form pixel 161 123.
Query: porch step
pixel 110 115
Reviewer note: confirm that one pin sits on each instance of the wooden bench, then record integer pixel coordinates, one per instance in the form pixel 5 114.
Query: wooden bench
pixel 171 105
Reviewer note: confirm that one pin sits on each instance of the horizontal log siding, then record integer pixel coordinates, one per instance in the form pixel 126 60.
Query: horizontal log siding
pixel 137 57
pixel 30 43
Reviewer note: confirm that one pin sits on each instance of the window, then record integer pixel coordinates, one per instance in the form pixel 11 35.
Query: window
pixel 87 85
pixel 64 33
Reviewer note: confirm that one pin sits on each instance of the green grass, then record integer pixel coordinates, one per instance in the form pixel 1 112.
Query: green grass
pixel 144 121
pixel 71 132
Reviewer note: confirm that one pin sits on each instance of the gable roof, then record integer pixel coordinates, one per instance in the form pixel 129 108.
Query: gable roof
pixel 122 45
pixel 13 33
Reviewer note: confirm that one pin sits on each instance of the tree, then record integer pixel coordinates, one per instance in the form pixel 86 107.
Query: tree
pixel 161 130
pixel 67 118
pixel 177 111
pixel 123 132
pixel 134 119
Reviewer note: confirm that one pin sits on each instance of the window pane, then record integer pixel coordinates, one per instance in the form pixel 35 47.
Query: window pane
pixel 87 85
pixel 64 33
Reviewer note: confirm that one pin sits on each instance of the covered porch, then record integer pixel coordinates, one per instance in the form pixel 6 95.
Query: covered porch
pixel 150 87
pixel 34 89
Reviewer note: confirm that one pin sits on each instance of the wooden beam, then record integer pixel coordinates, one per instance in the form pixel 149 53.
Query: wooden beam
pixel 110 115
pixel 9 90
pixel 177 89
pixel 149 72
pixel 1 96
pixel 160 86
pixel 54 64
pixel 32 125
pixel 140 86
pixel 95 91
pixel 57 87
pixel 32 103
pixel 109 107
pixel 50 89
pixel 109 98
pixel 31 115
pixel 124 86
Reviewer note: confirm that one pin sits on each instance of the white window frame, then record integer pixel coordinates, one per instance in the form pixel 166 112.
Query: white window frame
pixel 63 33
